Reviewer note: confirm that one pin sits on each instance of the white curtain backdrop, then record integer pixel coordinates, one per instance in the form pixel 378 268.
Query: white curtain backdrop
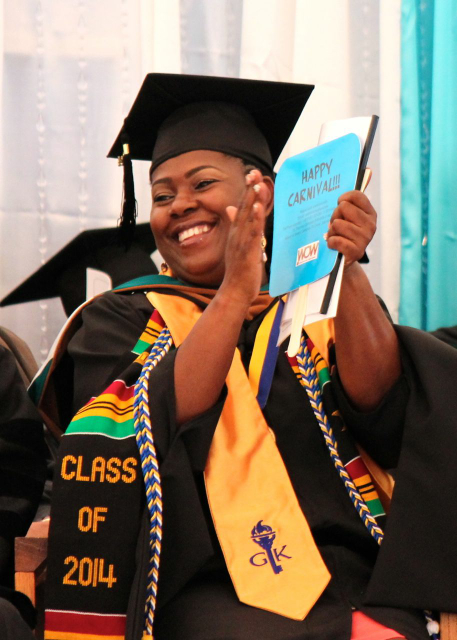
pixel 69 71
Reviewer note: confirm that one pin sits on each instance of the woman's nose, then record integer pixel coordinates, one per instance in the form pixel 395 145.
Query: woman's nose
pixel 183 202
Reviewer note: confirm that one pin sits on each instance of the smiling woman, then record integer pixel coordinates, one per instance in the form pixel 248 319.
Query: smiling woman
pixel 180 374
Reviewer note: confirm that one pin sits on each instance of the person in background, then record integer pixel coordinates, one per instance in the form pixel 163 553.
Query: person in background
pixel 22 477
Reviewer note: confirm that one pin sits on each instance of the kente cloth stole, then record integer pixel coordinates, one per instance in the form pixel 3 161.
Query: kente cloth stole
pixel 98 489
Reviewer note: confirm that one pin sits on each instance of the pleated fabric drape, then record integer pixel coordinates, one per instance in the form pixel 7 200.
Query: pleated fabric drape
pixel 428 159
pixel 70 71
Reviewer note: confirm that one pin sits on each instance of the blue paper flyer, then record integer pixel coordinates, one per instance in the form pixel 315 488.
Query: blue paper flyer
pixel 307 189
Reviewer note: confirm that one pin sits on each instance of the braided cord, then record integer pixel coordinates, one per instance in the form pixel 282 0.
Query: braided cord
pixel 150 469
pixel 310 381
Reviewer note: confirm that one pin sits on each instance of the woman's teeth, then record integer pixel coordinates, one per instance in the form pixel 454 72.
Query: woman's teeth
pixel 193 231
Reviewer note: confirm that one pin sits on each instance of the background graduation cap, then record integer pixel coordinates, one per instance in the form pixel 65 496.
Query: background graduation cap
pixel 64 275
pixel 174 113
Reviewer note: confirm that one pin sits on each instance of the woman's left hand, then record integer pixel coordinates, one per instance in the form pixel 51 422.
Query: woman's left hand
pixel 352 226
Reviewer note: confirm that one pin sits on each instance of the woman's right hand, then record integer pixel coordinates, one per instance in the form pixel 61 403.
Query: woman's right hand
pixel 210 346
pixel 244 265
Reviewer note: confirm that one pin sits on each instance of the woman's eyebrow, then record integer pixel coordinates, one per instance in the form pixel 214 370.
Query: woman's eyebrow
pixel 197 169
pixel 161 180
pixel 189 174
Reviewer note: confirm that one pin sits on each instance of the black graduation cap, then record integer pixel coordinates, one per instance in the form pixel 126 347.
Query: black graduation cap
pixel 64 275
pixel 274 107
pixel 174 113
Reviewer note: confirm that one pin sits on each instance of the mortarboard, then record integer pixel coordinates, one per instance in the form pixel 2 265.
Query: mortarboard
pixel 273 106
pixel 64 275
pixel 173 114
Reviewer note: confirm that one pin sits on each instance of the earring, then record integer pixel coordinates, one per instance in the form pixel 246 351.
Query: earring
pixel 263 246
pixel 163 267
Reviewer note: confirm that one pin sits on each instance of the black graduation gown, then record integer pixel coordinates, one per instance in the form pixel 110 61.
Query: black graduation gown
pixel 196 599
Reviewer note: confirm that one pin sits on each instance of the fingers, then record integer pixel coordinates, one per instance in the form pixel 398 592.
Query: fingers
pixel 354 206
pixel 352 226
pixel 231 212
pixel 244 248
pixel 255 183
pixel 253 206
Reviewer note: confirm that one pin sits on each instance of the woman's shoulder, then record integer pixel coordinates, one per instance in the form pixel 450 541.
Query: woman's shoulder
pixel 108 325
pixel 128 305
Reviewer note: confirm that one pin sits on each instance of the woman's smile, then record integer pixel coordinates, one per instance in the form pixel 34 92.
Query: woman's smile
pixel 193 234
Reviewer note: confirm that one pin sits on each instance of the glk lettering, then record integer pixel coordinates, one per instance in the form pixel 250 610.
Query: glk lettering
pixel 264 536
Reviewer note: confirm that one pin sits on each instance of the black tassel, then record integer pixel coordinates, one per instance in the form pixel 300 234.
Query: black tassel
pixel 129 203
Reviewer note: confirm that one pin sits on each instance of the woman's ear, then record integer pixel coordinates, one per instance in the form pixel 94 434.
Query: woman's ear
pixel 271 189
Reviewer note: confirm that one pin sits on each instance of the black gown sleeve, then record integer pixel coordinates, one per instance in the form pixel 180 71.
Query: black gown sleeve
pixel 417 561
pixel 447 335
pixel 379 431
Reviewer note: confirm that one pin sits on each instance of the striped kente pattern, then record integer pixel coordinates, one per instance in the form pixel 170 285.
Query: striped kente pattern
pixel 310 381
pixel 110 412
pixel 151 475
pixel 150 334
pixel 351 458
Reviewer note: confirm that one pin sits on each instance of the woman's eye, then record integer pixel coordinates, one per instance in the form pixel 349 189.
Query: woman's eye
pixel 204 183
pixel 161 197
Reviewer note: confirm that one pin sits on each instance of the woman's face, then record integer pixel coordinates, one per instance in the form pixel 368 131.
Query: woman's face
pixel 190 195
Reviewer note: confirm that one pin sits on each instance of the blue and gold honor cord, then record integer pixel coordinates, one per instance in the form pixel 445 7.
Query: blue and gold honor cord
pixel 151 475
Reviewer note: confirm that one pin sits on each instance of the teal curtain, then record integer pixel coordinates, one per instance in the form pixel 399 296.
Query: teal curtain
pixel 428 296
